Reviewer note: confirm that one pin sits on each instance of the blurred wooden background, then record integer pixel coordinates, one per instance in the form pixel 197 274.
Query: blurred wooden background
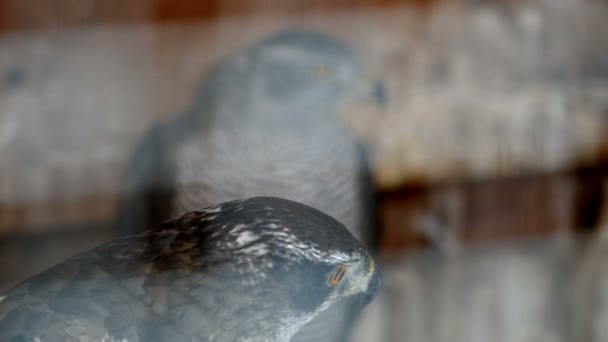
pixel 481 95
pixel 34 15
pixel 492 150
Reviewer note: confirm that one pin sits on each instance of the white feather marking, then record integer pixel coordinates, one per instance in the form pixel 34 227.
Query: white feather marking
pixel 236 228
pixel 212 210
pixel 245 238
pixel 257 250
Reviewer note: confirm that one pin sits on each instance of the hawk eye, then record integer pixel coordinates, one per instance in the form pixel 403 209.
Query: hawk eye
pixel 321 72
pixel 336 275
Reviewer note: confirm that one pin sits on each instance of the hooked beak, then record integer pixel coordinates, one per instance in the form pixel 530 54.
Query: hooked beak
pixel 364 285
pixel 370 89
pixel 378 93
pixel 374 281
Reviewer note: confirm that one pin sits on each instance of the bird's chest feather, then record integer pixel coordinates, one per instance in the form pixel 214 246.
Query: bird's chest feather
pixel 321 170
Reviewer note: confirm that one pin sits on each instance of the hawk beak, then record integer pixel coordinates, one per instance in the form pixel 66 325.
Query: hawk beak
pixel 374 280
pixel 378 93
pixel 364 284
pixel 371 89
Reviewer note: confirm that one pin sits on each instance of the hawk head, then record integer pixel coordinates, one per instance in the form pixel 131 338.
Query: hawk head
pixel 272 264
pixel 288 74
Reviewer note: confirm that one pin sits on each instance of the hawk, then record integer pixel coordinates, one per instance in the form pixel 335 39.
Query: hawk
pixel 256 269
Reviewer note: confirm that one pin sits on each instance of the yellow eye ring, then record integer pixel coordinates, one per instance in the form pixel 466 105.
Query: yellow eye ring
pixel 336 275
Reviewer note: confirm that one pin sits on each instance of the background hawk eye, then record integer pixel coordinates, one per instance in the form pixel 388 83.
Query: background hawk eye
pixel 336 275
pixel 321 72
